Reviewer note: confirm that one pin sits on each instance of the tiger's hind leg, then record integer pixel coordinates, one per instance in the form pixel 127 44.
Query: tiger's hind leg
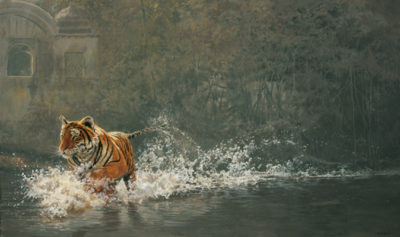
pixel 129 179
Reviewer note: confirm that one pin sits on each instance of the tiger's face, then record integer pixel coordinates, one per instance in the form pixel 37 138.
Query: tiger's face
pixel 78 140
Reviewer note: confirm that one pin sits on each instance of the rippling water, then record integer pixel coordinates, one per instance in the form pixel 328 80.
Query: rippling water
pixel 182 190
pixel 350 206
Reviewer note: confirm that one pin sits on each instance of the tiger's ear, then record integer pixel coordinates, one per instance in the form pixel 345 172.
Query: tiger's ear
pixel 88 122
pixel 63 120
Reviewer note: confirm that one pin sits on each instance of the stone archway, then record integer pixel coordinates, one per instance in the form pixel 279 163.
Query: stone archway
pixel 40 56
pixel 32 13
pixel 27 34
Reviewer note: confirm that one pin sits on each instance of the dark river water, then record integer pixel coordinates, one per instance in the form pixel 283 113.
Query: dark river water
pixel 182 190
pixel 359 205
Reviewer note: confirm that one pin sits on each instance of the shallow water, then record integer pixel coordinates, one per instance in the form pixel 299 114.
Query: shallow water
pixel 366 205
pixel 234 189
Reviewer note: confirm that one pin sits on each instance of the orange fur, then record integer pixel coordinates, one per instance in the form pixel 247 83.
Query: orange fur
pixel 114 153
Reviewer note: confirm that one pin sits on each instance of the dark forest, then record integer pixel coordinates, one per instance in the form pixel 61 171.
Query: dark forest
pixel 323 73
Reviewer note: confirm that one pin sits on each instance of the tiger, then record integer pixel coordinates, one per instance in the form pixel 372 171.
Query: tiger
pixel 96 155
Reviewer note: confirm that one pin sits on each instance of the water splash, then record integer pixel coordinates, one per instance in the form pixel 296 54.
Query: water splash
pixel 59 192
pixel 171 164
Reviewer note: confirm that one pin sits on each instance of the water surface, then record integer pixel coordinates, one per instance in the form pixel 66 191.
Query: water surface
pixel 182 190
pixel 349 206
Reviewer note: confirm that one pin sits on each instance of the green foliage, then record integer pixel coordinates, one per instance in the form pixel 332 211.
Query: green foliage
pixel 328 70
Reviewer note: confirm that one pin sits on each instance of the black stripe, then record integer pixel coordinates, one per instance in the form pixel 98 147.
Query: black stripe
pixel 87 134
pixel 108 145
pixel 116 160
pixel 68 126
pixel 76 160
pixel 97 157
pixel 118 155
pixel 108 158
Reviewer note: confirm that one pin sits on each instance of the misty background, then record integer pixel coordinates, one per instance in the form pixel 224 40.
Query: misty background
pixel 322 74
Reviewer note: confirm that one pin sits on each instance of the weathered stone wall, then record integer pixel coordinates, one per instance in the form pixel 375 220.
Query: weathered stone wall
pixel 86 46
pixel 16 89
pixel 38 58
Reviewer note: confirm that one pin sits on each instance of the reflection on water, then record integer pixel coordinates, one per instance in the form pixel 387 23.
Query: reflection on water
pixel 182 190
pixel 351 206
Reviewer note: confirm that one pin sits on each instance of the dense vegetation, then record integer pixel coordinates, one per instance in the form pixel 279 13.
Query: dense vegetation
pixel 324 72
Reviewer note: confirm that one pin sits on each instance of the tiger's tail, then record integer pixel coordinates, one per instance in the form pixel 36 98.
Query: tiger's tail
pixel 139 132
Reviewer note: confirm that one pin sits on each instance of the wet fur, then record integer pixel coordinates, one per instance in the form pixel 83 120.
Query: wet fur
pixel 99 155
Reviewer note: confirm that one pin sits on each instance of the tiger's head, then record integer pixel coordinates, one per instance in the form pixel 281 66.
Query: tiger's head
pixel 78 139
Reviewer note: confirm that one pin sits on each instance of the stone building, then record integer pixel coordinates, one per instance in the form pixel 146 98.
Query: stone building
pixel 39 51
